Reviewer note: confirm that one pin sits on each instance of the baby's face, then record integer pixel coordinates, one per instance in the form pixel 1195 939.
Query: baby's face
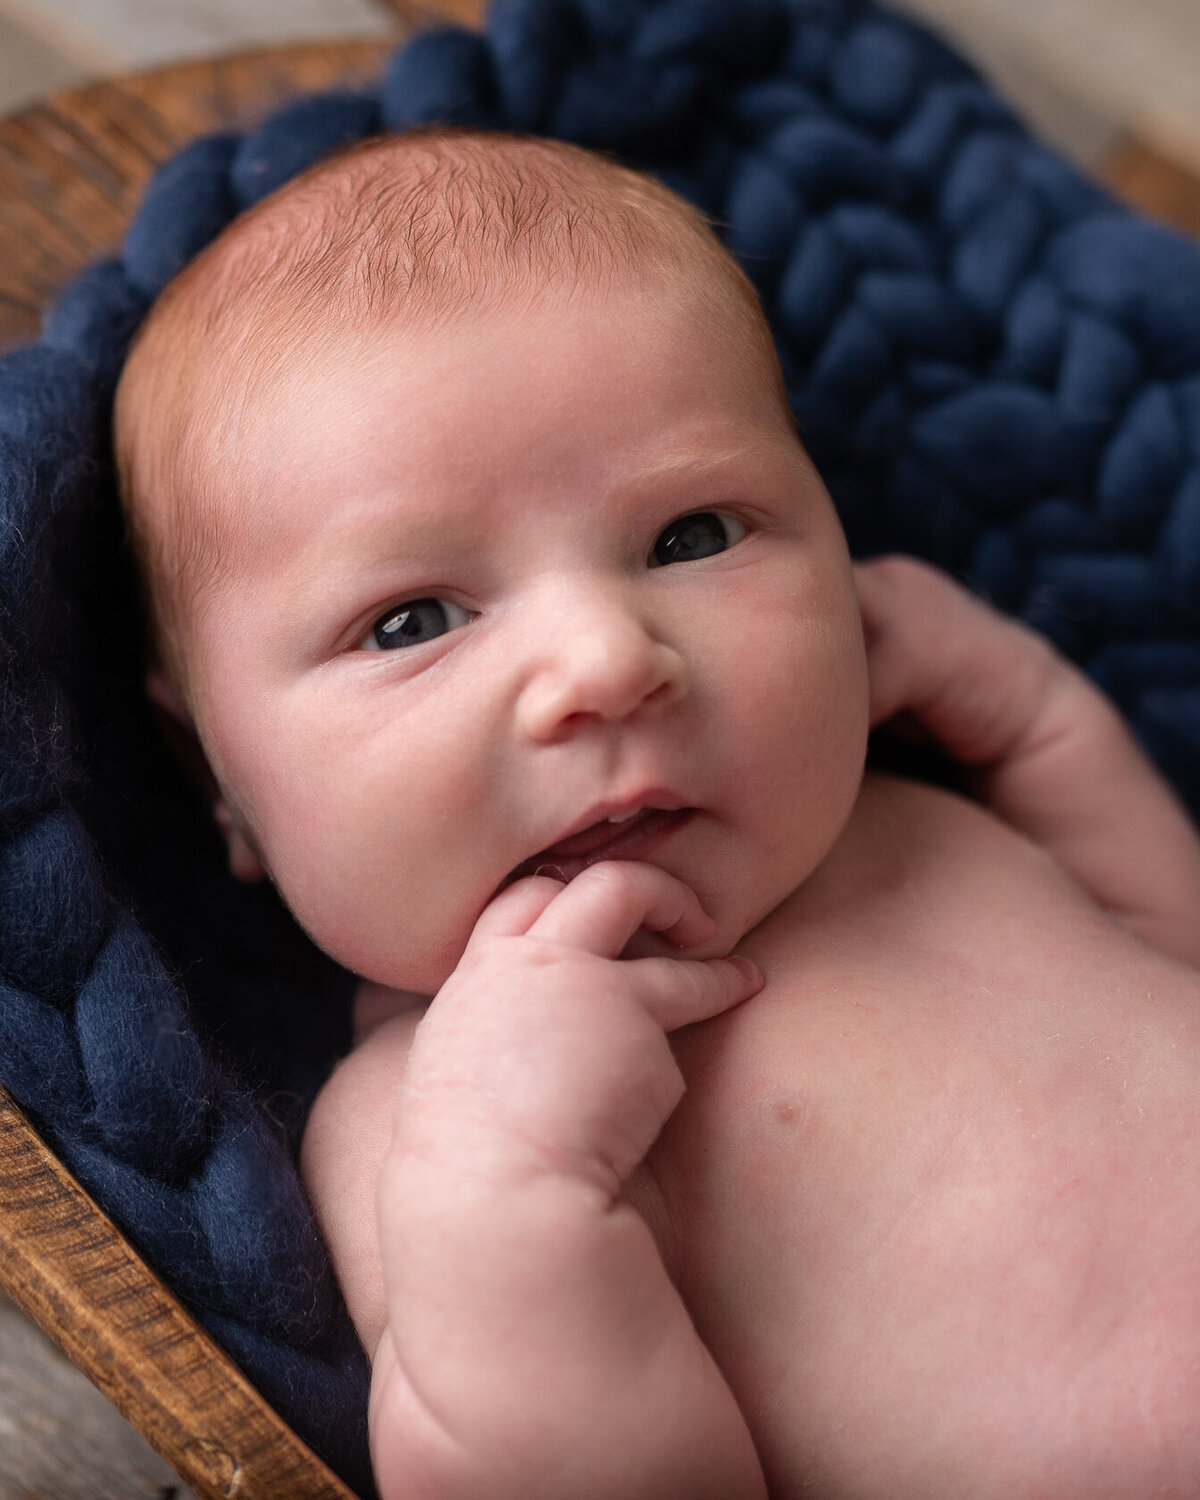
pixel 487 589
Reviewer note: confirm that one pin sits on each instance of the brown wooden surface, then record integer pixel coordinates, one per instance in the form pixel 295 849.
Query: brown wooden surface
pixel 422 12
pixel 1156 184
pixel 66 1265
pixel 59 1436
pixel 72 169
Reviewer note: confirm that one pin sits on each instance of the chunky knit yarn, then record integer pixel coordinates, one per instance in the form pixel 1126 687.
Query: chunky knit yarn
pixel 995 367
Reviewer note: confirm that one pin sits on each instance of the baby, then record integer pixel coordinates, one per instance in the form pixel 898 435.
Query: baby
pixel 521 641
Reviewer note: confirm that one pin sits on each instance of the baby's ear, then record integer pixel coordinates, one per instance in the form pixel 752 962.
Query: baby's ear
pixel 179 730
pixel 244 862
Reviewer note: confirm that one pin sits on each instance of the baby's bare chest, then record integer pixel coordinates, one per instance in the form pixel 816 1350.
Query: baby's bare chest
pixel 938 1068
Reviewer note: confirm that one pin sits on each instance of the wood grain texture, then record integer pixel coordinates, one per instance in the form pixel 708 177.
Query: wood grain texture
pixel 73 168
pixel 59 1436
pixel 63 1261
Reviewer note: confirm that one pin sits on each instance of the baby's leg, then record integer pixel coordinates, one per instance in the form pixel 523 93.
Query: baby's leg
pixel 1047 751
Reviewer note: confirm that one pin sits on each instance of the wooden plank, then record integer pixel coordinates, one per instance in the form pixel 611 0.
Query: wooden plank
pixel 430 12
pixel 1155 183
pixel 59 1436
pixel 64 1262
pixel 72 169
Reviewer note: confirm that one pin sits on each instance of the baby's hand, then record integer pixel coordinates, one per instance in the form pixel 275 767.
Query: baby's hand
pixel 532 1330
pixel 550 1046
pixel 1046 751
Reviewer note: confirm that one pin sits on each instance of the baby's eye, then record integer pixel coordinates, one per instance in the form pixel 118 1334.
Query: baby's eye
pixel 414 622
pixel 698 535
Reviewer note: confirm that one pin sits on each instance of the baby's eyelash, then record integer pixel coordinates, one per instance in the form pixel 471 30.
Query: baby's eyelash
pixel 413 623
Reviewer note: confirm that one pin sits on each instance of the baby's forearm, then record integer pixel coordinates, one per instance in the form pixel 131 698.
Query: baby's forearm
pixel 535 1344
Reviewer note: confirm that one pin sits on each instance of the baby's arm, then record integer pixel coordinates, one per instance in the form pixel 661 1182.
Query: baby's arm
pixel 1047 751
pixel 532 1342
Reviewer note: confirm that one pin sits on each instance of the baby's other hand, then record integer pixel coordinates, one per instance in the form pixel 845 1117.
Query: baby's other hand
pixel 1043 747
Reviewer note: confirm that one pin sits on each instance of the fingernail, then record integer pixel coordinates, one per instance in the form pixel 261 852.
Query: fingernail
pixel 553 871
pixel 747 968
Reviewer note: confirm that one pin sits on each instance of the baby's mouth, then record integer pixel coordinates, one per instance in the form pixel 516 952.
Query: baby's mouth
pixel 634 836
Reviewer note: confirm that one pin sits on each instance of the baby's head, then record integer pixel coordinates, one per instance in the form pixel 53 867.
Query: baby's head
pixel 470 516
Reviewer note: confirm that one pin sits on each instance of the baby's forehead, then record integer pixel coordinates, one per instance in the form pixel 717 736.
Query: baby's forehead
pixel 423 230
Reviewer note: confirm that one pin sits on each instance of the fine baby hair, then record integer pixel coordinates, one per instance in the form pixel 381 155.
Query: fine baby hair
pixel 994 365
pixel 419 228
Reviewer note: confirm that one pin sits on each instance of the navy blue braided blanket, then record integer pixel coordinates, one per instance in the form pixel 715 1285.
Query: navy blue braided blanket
pixel 994 365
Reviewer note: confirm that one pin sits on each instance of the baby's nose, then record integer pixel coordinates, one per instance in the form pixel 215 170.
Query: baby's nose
pixel 605 664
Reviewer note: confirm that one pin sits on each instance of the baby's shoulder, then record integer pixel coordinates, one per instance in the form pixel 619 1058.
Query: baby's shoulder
pixel 918 869
pixel 906 833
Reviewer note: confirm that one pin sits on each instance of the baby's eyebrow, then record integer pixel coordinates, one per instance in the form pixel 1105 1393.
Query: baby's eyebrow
pixel 690 465
pixel 377 536
pixel 686 463
pixel 366 554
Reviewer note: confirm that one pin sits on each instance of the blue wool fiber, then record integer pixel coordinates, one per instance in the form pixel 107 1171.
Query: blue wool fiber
pixel 876 74
pixel 1139 276
pixel 1143 464
pixel 95 317
pixel 153 1085
pixel 533 43
pixel 189 201
pixel 49 866
pixel 1003 444
pixel 738 39
pixel 442 77
pixel 295 137
pixel 1179 549
pixel 994 365
pixel 41 1056
pixel 293 1292
pixel 1101 369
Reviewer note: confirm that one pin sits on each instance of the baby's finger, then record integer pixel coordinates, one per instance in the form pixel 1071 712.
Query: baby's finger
pixel 974 679
pixel 681 991
pixel 517 907
pixel 605 905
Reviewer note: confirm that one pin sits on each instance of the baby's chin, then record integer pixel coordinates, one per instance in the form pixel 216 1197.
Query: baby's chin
pixel 419 969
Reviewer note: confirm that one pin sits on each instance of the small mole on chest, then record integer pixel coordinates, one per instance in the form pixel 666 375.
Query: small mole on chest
pixel 787 1112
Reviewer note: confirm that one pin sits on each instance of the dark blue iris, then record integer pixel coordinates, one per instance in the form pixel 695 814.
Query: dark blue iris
pixel 415 621
pixel 698 535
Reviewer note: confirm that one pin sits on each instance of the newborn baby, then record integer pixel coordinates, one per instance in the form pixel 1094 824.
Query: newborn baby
pixel 522 645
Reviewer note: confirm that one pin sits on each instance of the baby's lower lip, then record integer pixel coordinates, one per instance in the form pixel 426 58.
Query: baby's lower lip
pixel 636 839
